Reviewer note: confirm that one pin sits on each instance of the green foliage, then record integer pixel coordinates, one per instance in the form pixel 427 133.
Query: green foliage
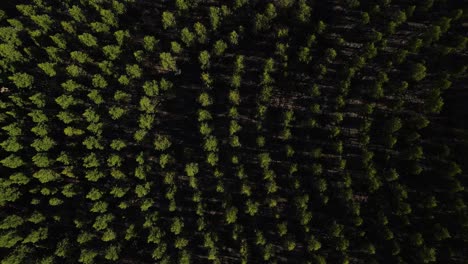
pixel 142 190
pixel 215 13
pixel 418 71
pixel 134 71
pixel 22 80
pixel 151 88
pixel 167 62
pixel 116 112
pixel 121 35
pixel 168 20
pixel 46 175
pixel 205 100
pixel 9 239
pixel 219 47
pixel 11 145
pixel 191 169
pixel 43 144
pixel 99 82
pixel 231 215
pixel 112 52
pixel 9 53
pixel 74 70
pixel 162 142
pixel 187 37
pixel 88 40
pixel 177 225
pixel 149 43
pixel 204 59
pixel 201 32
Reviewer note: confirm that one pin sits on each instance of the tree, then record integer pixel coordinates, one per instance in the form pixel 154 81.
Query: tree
pixel 231 215
pixel 180 243
pixel 175 47
pixel 99 27
pixel 46 175
pixel 268 252
pixel 167 62
pixel 99 82
pixel 36 235
pixel 304 11
pixel 77 14
pixel 9 239
pixel 151 88
pixel 205 100
pixel 149 43
pixel 134 71
pixel 211 144
pixel 207 81
pixel 162 142
pixel 177 225
pixel 427 255
pixel 108 17
pixel 88 40
pixel 11 222
pixel 215 13
pixel 251 207
pixel 142 190
pixel 43 144
pixel 41 160
pixel 112 52
pixel 234 38
pixel 191 169
pixel 112 253
pixel 22 80
pixel 200 30
pixel 9 53
pixel 187 37
pixel 121 35
pixel 147 105
pixel 219 47
pixel 96 97
pixel 418 71
pixel 204 59
pixel 11 145
pixel 168 20
pixel 87 256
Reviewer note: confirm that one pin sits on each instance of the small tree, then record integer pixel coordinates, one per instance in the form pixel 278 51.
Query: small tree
pixel 22 80
pixel 177 225
pixel 168 20
pixel 99 82
pixel 187 37
pixel 149 43
pixel 112 52
pixel 215 13
pixel 219 47
pixel 234 38
pixel 48 68
pixel 167 62
pixel 231 215
pixel 204 59
pixel 191 169
pixel 418 72
pixel 120 36
pixel 200 30
pixel 88 40
pixel 134 71
pixel 304 11
pixel 162 142
pixel 175 47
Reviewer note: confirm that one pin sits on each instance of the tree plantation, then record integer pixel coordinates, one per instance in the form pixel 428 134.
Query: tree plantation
pixel 240 131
